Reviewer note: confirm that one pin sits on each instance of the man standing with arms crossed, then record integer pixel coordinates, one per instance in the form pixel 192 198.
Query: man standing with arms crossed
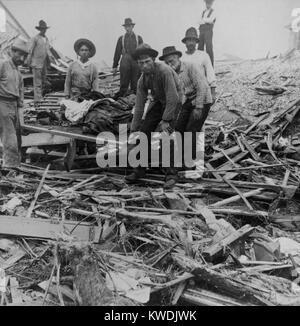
pixel 129 70
pixel 11 103
pixel 38 59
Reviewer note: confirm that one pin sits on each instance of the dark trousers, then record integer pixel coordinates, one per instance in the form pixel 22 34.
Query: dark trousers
pixel 129 74
pixel 187 123
pixel 206 39
pixel 149 125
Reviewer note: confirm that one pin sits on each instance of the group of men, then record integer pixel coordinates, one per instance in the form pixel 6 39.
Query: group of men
pixel 181 89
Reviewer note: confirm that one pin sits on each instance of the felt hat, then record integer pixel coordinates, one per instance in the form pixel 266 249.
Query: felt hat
pixel 128 22
pixel 191 33
pixel 169 50
pixel 144 49
pixel 20 45
pixel 42 25
pixel 88 43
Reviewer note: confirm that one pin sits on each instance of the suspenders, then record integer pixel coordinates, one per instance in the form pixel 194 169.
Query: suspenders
pixel 123 42
pixel 210 13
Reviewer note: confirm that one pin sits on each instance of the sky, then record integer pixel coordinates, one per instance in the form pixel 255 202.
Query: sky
pixel 247 29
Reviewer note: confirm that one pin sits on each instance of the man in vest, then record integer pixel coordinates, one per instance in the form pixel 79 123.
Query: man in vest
pixel 129 70
pixel 199 58
pixel 206 30
pixel 11 103
pixel 38 59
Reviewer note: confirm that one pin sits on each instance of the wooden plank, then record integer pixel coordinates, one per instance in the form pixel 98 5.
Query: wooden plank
pixel 45 229
pixel 217 248
pixel 43 139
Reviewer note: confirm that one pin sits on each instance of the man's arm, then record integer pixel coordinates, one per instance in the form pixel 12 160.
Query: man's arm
pixel 32 45
pixel 199 81
pixel 140 40
pixel 171 94
pixel 20 102
pixel 139 106
pixel 118 53
pixel 209 71
pixel 67 90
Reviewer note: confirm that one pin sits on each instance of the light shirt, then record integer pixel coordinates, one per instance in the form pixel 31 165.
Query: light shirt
pixel 194 84
pixel 208 17
pixel 11 82
pixel 84 64
pixel 39 51
pixel 202 59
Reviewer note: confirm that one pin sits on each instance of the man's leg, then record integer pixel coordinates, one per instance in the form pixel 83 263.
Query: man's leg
pixel 37 84
pixel 209 44
pixel 135 75
pixel 181 124
pixel 148 126
pixel 201 40
pixel 196 126
pixel 125 71
pixel 8 135
pixel 44 79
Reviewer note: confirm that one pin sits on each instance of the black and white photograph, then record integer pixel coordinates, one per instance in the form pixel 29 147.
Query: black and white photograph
pixel 150 155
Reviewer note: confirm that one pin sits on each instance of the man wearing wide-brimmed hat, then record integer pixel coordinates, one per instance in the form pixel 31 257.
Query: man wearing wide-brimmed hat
pixel 11 103
pixel 206 28
pixel 129 70
pixel 160 85
pixel 198 57
pixel 38 59
pixel 82 75
pixel 197 97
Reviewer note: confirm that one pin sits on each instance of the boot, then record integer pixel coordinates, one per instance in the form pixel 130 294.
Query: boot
pixel 136 175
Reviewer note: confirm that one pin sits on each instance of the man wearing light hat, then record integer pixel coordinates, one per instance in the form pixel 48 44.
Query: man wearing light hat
pixel 129 70
pixel 11 102
pixel 38 59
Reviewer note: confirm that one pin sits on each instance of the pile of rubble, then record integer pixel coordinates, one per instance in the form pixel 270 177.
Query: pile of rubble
pixel 231 238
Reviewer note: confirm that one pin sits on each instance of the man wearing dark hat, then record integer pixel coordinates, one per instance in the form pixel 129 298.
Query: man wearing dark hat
pixel 197 96
pixel 38 59
pixel 11 102
pixel 198 57
pixel 207 23
pixel 160 83
pixel 82 75
pixel 129 70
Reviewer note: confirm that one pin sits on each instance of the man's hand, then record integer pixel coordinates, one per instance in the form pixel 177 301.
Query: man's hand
pixel 197 112
pixel 164 126
pixel 114 71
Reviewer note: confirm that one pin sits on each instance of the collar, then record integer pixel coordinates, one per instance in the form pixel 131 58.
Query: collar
pixel 84 65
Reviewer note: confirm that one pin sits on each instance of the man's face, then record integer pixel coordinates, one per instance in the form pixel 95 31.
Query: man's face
pixel 129 28
pixel 43 31
pixel 209 4
pixel 18 57
pixel 190 44
pixel 173 61
pixel 84 52
pixel 146 64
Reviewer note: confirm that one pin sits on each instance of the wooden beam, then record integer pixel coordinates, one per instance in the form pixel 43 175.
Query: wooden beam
pixel 46 229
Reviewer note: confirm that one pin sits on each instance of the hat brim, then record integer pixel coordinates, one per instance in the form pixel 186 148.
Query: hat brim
pixel 171 53
pixel 39 28
pixel 139 52
pixel 86 42
pixel 18 48
pixel 132 24
pixel 188 38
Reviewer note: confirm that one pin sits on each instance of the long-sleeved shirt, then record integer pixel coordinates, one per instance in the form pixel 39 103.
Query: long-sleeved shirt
pixel 81 77
pixel 11 82
pixel 208 17
pixel 126 44
pixel 165 88
pixel 194 84
pixel 202 59
pixel 39 51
